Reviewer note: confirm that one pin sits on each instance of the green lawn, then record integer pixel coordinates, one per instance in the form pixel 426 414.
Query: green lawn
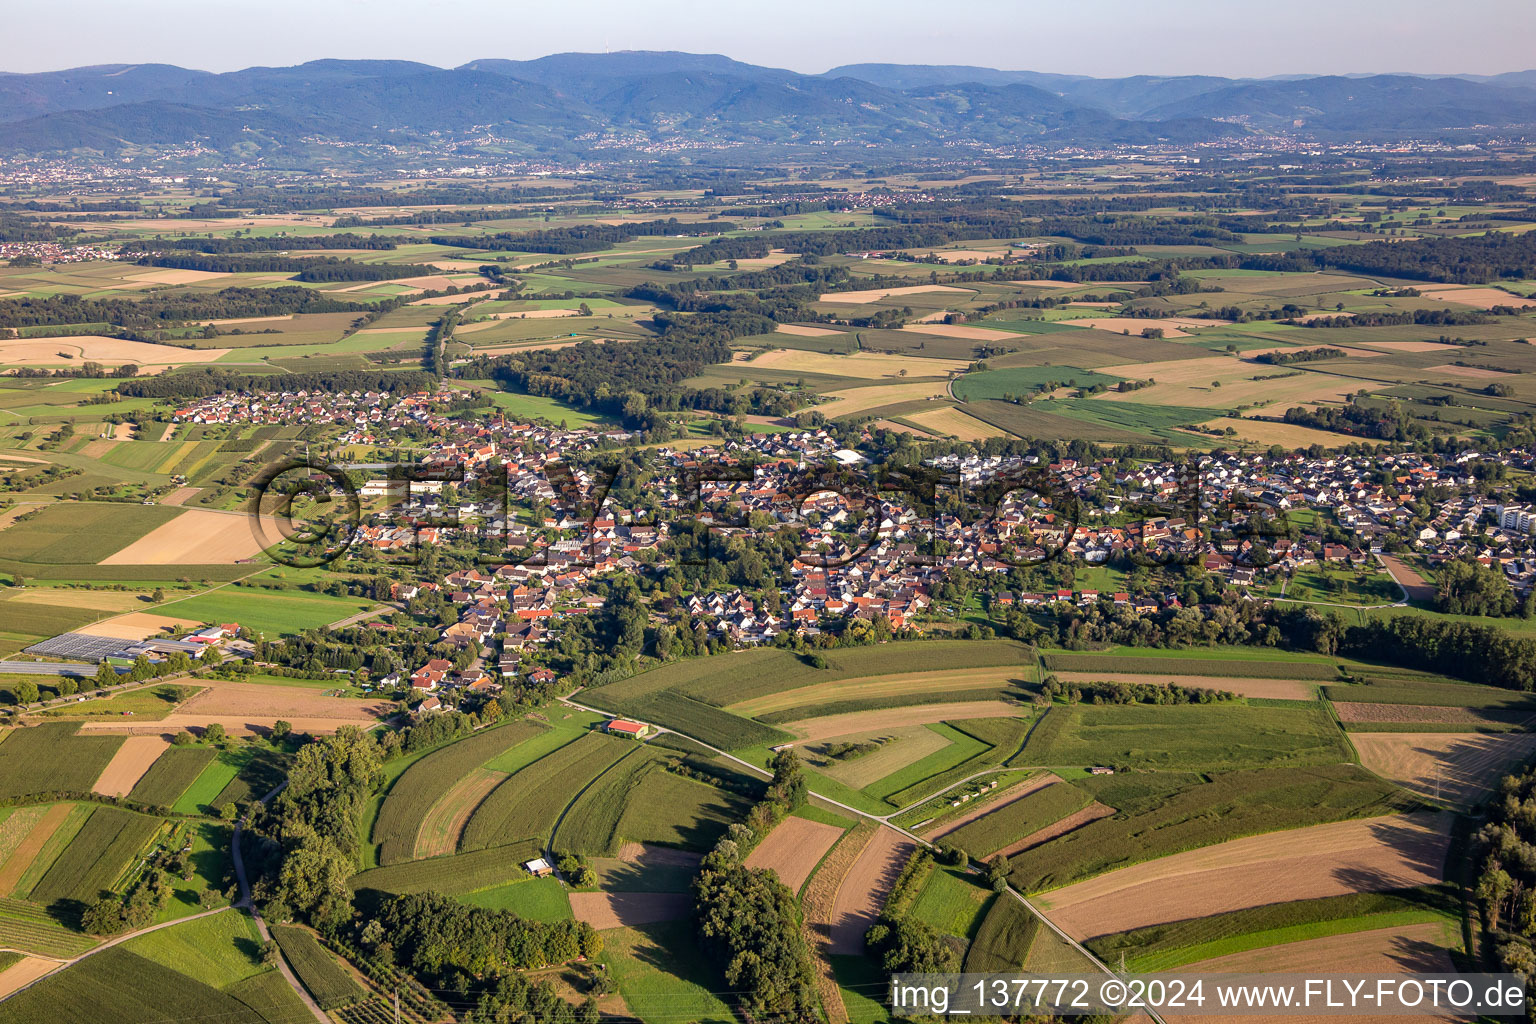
pixel 537 899
pixel 218 950
pixel 663 975
pixel 272 612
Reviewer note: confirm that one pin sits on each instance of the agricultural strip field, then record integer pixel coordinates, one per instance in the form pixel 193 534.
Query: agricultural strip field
pixel 133 759
pixel 897 685
pixel 27 926
pixel 1404 949
pixel 1003 940
pixel 1159 666
pixel 1184 737
pixel 1162 947
pixel 811 730
pixel 793 849
pixel 604 910
pixel 864 888
pixel 96 857
pixel 50 758
pixel 453 876
pixel 987 804
pixel 171 774
pixel 327 981
pixel 667 809
pixel 1457 768
pixel 1167 813
pixel 119 986
pixel 1370 855
pixel 1243 686
pixel 81 532
pixel 444 823
pixel 432 779
pixel 528 804
pixel 1015 821
pixel 194 535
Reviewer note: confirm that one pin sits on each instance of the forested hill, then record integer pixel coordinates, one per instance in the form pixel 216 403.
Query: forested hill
pixel 545 105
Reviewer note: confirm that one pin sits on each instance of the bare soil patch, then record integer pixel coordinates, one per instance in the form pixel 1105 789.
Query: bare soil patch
pixel 129 764
pixel 24 972
pixel 21 859
pixel 229 698
pixel 1173 327
pixel 136 626
pixel 626 909
pixel 1272 689
pixel 828 726
pixel 864 888
pixel 1459 768
pixel 1018 792
pixel 1473 372
pixel 793 849
pixel 1409 578
pixel 196 537
pixel 1370 855
pixel 234 725
pixel 180 496
pixel 876 294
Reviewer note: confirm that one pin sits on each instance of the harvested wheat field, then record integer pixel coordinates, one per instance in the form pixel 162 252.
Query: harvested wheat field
pixel 857 400
pixel 877 686
pixel 136 626
pixel 876 294
pixel 1268 432
pixel 793 849
pixel 1459 768
pixel 1369 855
pixel 96 449
pixel 441 826
pixel 1406 949
pixel 234 725
pixel 45 352
pixel 1409 578
pixel 956 423
pixel 180 496
pixel 1272 689
pixel 861 365
pixel 644 854
pixel 1057 829
pixel 548 313
pixel 626 909
pixel 1404 346
pixel 177 276
pixel 1480 298
pixel 195 537
pixel 21 858
pixel 129 764
pixel 801 331
pixel 104 600
pixel 24 972
pixel 1023 789
pixel 812 729
pixel 864 888
pixel 1472 372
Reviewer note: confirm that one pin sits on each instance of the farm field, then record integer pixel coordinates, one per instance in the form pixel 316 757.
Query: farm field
pixel 1010 825
pixel 863 889
pixel 1458 769
pixel 1370 855
pixel 793 849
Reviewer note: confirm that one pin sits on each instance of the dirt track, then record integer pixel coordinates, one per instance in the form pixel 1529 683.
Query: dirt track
pixel 864 889
pixel 1370 855
pixel 793 849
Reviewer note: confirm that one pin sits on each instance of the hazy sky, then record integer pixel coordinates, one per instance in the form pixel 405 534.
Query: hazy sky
pixel 1105 38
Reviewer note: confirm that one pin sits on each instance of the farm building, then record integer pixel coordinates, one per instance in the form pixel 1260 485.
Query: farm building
pixel 624 727
pixel 538 867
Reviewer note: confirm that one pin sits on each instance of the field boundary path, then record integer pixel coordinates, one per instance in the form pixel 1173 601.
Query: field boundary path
pixel 881 820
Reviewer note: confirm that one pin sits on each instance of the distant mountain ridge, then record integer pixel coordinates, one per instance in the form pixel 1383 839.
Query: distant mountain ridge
pixel 570 103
